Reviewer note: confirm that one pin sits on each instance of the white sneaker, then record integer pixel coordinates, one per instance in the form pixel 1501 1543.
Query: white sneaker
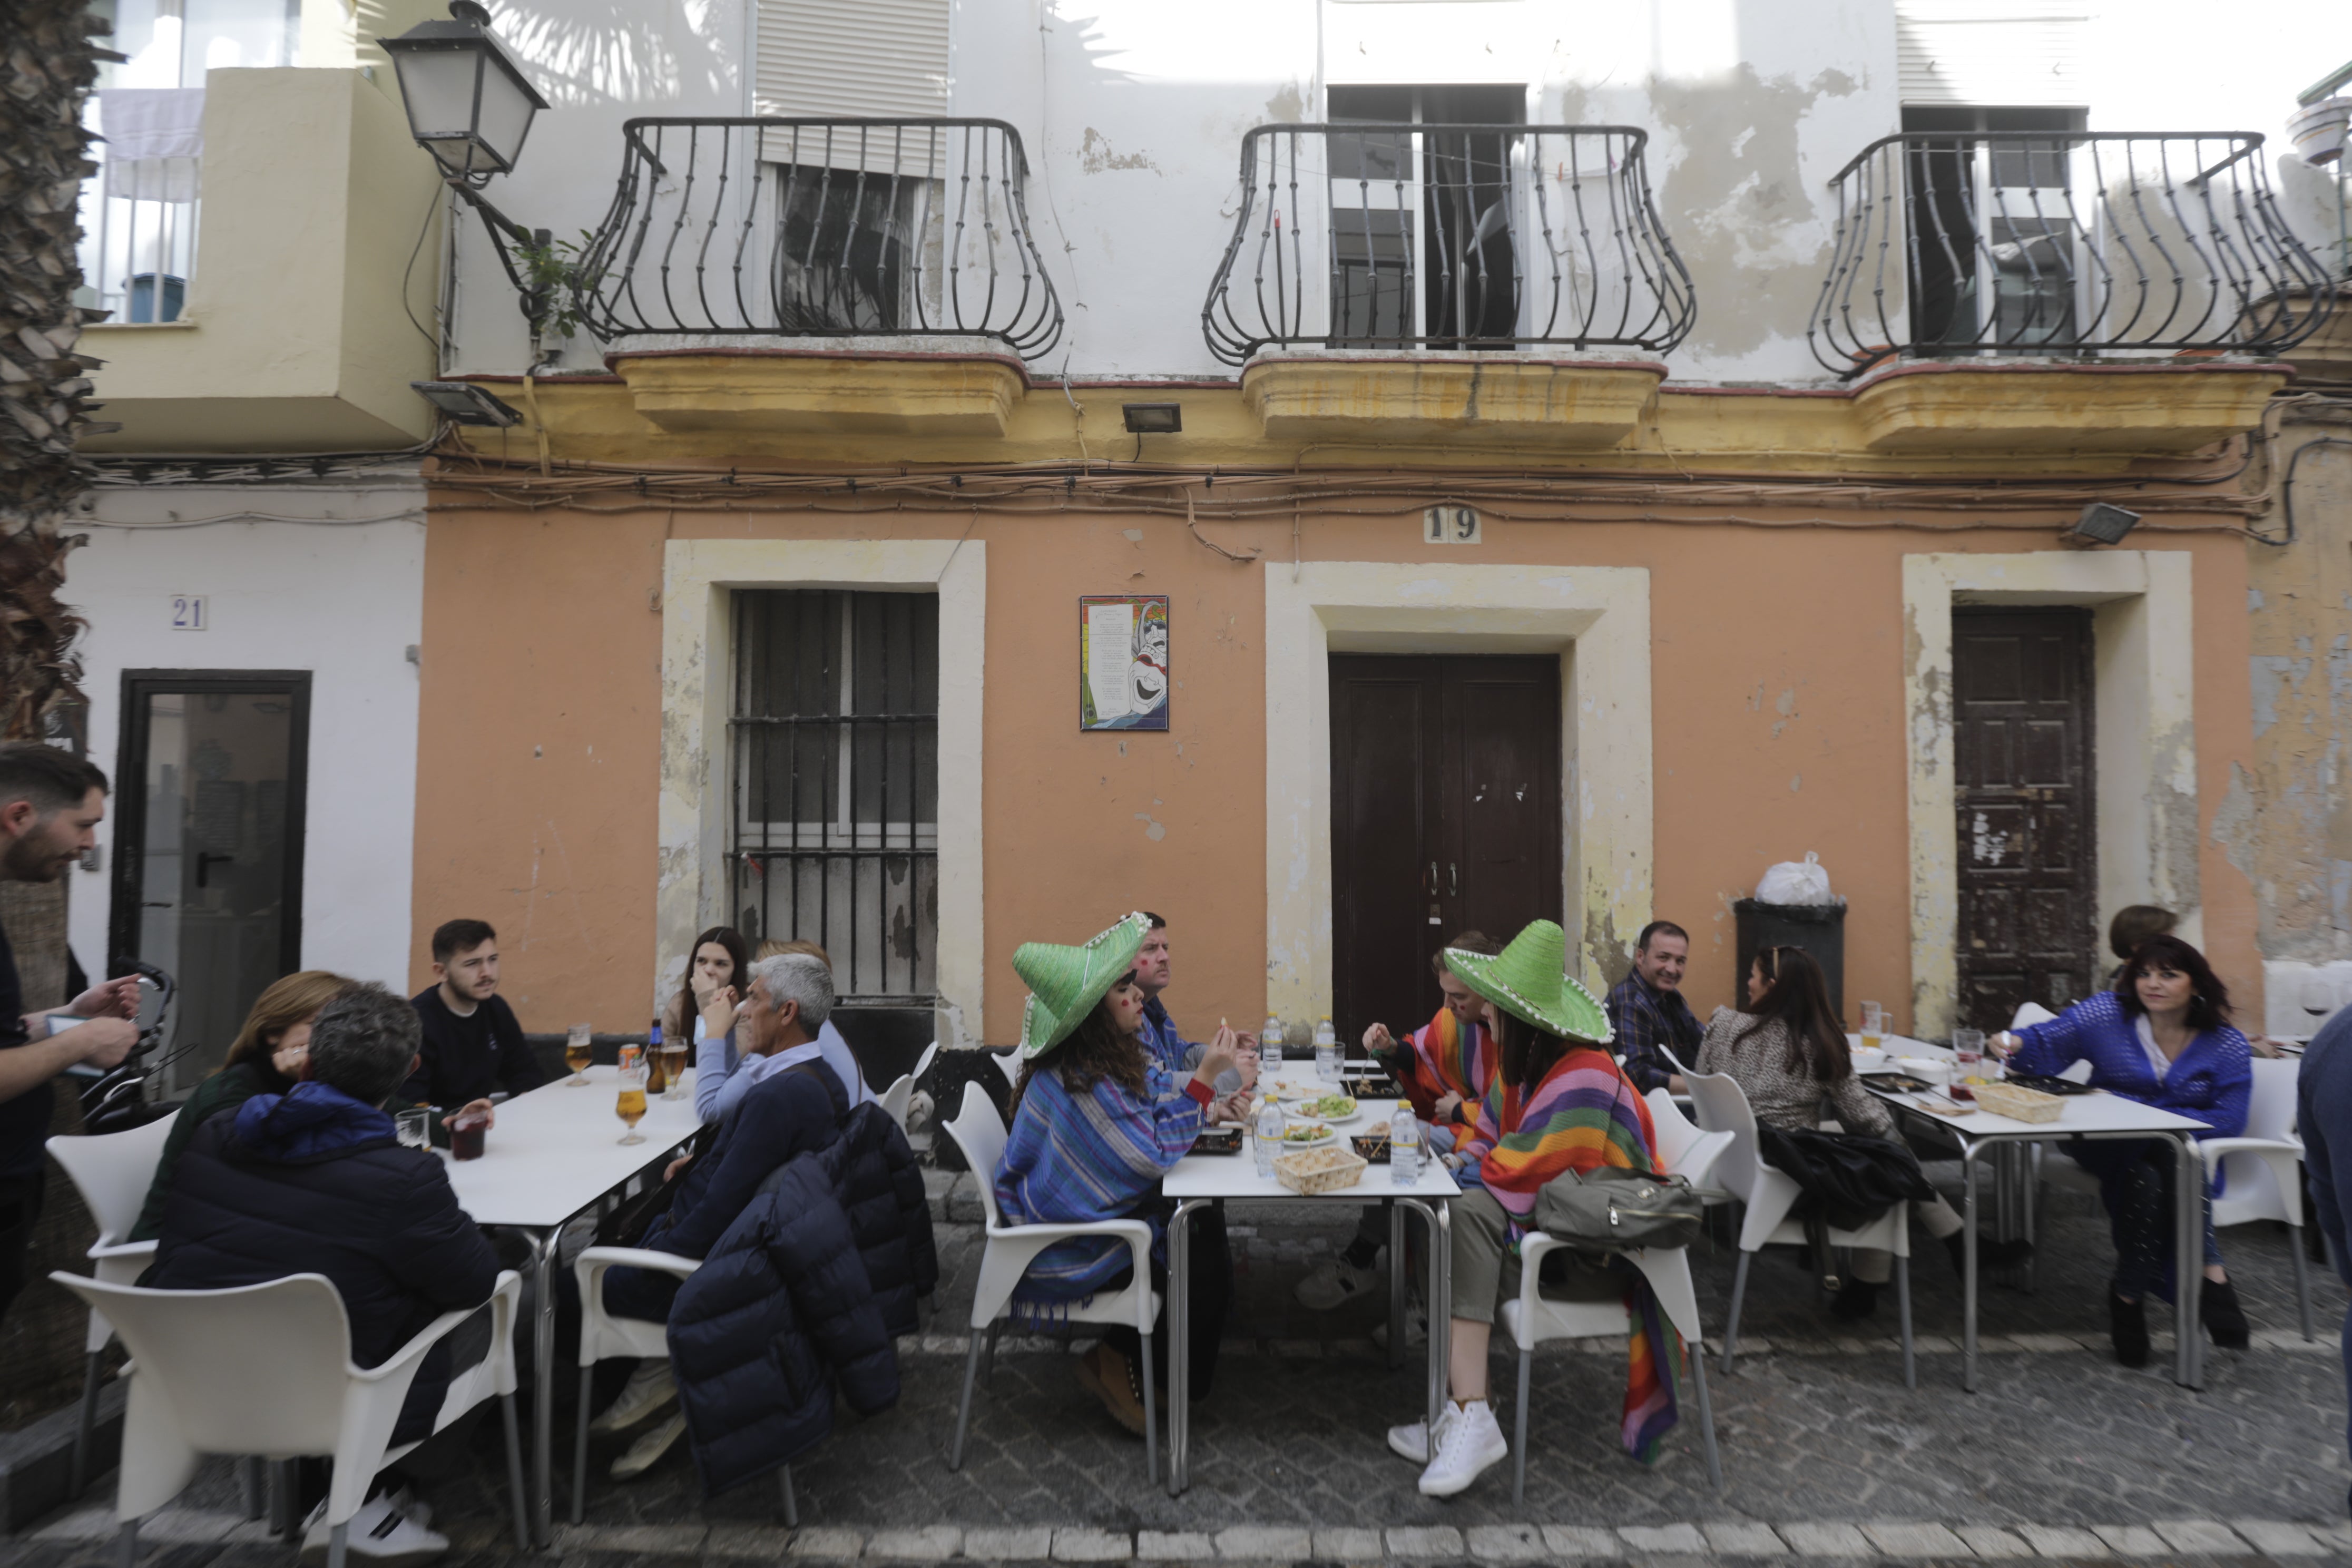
pixel 1332 1285
pixel 1411 1441
pixel 648 1448
pixel 1471 1441
pixel 379 1534
pixel 1416 1329
pixel 648 1389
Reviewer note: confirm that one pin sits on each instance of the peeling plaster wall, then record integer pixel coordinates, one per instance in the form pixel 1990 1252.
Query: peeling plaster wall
pixel 2290 812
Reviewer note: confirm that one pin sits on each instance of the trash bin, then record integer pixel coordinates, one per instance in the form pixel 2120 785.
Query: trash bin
pixel 1818 928
pixel 145 297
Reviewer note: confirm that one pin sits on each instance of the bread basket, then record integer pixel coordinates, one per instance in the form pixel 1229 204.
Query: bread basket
pixel 1307 1172
pixel 2018 1104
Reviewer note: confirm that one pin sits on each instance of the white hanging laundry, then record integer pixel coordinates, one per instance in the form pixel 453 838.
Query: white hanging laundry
pixel 154 141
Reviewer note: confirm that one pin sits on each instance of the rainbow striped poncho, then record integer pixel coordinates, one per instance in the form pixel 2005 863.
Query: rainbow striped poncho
pixel 1450 1058
pixel 1579 1116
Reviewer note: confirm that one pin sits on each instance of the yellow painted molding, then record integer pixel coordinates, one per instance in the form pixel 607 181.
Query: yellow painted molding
pixel 2170 408
pixel 1487 401
pixel 719 390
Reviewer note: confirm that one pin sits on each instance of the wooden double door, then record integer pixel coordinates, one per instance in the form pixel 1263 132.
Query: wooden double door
pixel 1446 814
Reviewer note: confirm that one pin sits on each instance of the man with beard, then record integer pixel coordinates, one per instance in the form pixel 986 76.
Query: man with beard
pixel 51 803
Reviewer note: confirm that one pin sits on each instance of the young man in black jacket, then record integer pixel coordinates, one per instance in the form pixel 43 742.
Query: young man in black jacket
pixel 315 1181
pixel 473 1042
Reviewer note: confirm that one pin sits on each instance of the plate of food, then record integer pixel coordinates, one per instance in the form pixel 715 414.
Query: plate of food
pixel 1338 1110
pixel 1307 1134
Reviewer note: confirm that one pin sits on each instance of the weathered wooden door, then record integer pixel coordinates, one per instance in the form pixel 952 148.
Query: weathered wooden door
pixel 1445 814
pixel 2021 744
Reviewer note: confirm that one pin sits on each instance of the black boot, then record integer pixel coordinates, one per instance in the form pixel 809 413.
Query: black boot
pixel 1990 1254
pixel 1855 1299
pixel 2217 1304
pixel 2128 1327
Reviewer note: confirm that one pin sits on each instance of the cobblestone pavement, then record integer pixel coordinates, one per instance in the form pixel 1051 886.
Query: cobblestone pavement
pixel 2062 1453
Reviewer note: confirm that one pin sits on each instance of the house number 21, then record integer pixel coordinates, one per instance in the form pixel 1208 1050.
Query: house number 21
pixel 1450 525
pixel 189 613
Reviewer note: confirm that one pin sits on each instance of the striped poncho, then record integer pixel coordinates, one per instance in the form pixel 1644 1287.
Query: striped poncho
pixel 1071 1159
pixel 1580 1115
pixel 1450 1058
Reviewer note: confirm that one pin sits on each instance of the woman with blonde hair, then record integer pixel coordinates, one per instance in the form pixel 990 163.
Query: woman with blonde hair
pixel 266 1057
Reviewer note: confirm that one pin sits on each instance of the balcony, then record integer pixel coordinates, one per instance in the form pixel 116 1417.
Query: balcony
pixel 1489 284
pixel 826 277
pixel 263 313
pixel 2004 266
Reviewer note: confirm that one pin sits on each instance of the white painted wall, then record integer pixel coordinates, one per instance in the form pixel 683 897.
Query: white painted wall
pixel 1132 113
pixel 343 601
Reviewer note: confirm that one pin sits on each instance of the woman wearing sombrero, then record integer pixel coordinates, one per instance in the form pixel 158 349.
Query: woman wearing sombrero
pixel 1557 1103
pixel 1095 1126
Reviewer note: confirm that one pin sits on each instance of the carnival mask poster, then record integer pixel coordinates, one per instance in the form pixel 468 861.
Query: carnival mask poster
pixel 1123 662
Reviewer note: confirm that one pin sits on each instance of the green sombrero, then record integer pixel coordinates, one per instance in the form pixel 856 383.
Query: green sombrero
pixel 1528 980
pixel 1064 982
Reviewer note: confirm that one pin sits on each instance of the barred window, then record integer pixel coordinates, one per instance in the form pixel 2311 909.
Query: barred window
pixel 833 742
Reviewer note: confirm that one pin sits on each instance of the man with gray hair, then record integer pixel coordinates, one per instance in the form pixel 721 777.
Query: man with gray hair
pixel 785 1021
pixel 315 1181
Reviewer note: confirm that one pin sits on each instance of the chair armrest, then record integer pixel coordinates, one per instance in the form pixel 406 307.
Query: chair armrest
pixel 603 1257
pixel 103 1249
pixel 404 1359
pixel 1012 1248
pixel 2213 1148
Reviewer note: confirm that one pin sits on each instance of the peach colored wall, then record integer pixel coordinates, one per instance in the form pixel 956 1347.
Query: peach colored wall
pixel 1777 691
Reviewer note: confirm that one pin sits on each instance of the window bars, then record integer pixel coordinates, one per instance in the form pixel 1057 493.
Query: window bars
pixel 1446 236
pixel 2118 244
pixel 788 228
pixel 833 742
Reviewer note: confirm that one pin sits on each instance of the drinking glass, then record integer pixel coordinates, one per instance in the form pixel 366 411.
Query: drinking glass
pixel 1873 1024
pixel 576 1054
pixel 630 1109
pixel 415 1127
pixel 466 1134
pixel 674 1068
pixel 1967 1061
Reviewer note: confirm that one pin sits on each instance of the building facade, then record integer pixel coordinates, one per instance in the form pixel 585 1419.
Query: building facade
pixel 1336 473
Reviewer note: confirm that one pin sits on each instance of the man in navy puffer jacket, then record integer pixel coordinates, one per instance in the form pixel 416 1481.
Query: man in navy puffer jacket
pixel 315 1181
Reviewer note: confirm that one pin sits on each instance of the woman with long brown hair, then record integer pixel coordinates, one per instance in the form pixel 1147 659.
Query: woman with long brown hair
pixel 264 1059
pixel 1788 1054
pixel 1094 1125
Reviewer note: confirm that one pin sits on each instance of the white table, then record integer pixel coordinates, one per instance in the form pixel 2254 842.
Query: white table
pixel 1199 1180
pixel 2096 1116
pixel 554 1153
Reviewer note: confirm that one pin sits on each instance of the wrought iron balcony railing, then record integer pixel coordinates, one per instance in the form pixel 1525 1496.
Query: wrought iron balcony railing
pixel 1446 236
pixel 2124 245
pixel 781 227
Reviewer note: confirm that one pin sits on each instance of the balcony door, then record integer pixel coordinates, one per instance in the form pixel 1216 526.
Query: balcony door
pixel 2000 248
pixel 1445 814
pixel 208 811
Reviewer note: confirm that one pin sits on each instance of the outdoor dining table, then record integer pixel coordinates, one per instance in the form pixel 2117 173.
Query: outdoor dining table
pixel 553 1154
pixel 2095 1115
pixel 1199 1180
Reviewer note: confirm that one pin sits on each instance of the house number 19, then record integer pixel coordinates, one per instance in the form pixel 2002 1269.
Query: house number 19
pixel 1450 525
pixel 188 612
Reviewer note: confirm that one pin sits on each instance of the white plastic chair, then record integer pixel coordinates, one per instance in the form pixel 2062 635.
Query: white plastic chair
pixel 2264 1168
pixel 1770 1195
pixel 979 1131
pixel 603 1335
pixel 1682 1149
pixel 266 1371
pixel 1009 1063
pixel 112 1172
pixel 900 1095
pixel 1530 1319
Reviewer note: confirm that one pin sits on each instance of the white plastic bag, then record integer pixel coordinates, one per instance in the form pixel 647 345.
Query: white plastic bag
pixel 1790 882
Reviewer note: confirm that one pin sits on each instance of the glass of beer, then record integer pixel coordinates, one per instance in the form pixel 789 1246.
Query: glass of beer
pixel 576 1054
pixel 630 1109
pixel 673 1061
pixel 1873 1024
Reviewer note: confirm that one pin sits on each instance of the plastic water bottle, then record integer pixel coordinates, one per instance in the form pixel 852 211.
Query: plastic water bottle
pixel 1270 1124
pixel 1326 1052
pixel 1405 1147
pixel 1269 1047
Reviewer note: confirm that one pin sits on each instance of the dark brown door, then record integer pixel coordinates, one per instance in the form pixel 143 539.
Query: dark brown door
pixel 1445 814
pixel 2021 744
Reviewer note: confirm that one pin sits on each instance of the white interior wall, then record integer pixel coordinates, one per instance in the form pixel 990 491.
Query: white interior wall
pixel 343 601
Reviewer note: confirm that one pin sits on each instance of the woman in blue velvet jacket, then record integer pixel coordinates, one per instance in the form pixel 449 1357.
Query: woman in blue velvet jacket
pixel 2162 1037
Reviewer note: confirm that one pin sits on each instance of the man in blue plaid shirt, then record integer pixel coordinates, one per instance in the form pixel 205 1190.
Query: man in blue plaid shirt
pixel 1647 1011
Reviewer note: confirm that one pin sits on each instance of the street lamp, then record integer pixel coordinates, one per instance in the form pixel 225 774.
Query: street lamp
pixel 471 105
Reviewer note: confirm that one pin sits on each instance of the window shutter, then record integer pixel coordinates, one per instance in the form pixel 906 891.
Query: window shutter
pixel 852 58
pixel 1999 52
